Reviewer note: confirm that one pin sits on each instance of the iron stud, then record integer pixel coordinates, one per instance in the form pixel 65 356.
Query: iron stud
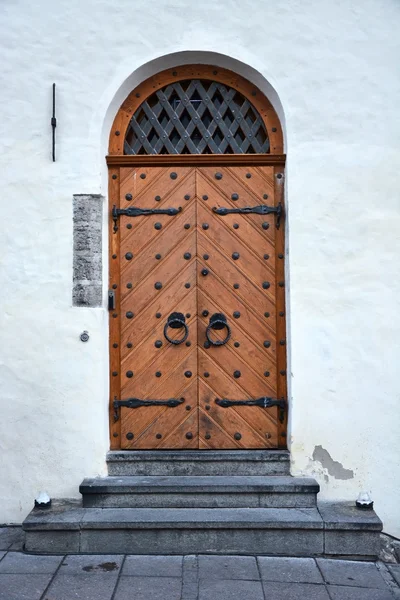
pixel 236 314
pixel 187 256
pixel 187 285
pixel 187 226
pixel 128 196
pixel 158 285
pixel 267 344
pixel 129 315
pixel 158 256
pixel 207 436
pixel 173 175
pixel 265 225
pixel 115 345
pixel 158 315
pixel 158 343
pixel 129 226
pixel 205 226
pixel 157 198
pixel 142 175
pixel 248 175
pixel 204 272
pixel 129 256
pixel 238 436
pixel 280 255
pixel 266 285
pixel 266 314
pixel 114 373
pixel 236 374
pixel 129 374
pixel 206 374
pixel 129 435
pixel 129 345
pixel 235 226
pixel 236 286
pixel 281 313
pixel 281 284
pixel 114 287
pixel 158 373
pixel 235 255
pixel 282 342
pixel 206 256
pixel 266 374
pixel 265 196
pixel 114 256
pixel 129 285
pixel 235 196
pixel 157 225
pixel 189 435
pixel 186 197
pixel 188 408
pixel 205 313
pixel 188 374
pixel 236 344
pixel 218 175
pixel 208 407
pixel 158 436
pixel 205 197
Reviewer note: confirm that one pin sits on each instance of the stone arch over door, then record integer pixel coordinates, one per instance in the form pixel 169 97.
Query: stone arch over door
pixel 196 172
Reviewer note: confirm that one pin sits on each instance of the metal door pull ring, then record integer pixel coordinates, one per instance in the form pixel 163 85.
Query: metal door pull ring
pixel 217 322
pixel 176 320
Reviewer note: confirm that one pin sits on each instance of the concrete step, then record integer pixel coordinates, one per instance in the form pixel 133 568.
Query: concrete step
pixel 338 530
pixel 212 491
pixel 198 462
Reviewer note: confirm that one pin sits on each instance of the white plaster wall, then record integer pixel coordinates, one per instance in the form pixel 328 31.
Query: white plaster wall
pixel 334 67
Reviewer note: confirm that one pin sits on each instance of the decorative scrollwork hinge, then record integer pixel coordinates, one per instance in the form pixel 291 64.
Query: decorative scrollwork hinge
pixel 137 403
pixel 264 402
pixel 133 211
pixel 258 210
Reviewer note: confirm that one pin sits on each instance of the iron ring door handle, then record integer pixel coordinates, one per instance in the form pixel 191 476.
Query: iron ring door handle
pixel 217 322
pixel 176 320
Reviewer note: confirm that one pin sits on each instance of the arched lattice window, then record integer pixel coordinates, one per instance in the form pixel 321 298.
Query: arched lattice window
pixel 196 116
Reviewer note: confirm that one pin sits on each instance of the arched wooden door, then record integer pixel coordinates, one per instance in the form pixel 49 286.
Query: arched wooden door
pixel 197 302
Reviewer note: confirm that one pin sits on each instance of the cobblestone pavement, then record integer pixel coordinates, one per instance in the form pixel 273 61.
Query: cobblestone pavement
pixel 117 577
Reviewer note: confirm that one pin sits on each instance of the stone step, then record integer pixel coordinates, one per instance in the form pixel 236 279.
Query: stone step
pixel 198 462
pixel 212 491
pixel 338 530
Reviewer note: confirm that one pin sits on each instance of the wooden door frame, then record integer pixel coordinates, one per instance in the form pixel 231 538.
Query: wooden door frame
pixel 116 160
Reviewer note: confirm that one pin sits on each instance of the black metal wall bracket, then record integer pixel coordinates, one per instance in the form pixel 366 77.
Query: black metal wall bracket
pixel 258 210
pixel 133 211
pixel 54 125
pixel 137 403
pixel 264 402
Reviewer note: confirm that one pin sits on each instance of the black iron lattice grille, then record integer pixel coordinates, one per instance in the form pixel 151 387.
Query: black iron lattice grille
pixel 196 117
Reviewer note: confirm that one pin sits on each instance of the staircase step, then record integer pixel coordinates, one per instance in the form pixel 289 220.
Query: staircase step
pixel 198 462
pixel 213 491
pixel 69 528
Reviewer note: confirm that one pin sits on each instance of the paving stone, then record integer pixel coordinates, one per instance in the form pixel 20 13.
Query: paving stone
pixel 351 573
pixel 153 566
pixel 81 587
pixel 2 554
pixel 294 591
pixel 81 564
pixel 190 569
pixel 16 562
pixel 294 570
pixel 231 590
pixel 23 587
pixel 338 592
pixel 228 567
pixel 148 588
pixel 9 536
pixel 395 571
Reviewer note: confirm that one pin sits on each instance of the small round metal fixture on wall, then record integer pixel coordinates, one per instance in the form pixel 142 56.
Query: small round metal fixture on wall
pixel 84 337
pixel 129 435
pixel 189 435
pixel 238 436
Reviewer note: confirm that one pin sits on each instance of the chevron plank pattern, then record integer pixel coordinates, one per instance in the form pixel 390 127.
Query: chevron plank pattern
pixel 198 263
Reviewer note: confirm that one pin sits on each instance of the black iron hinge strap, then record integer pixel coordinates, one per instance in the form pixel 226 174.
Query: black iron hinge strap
pixel 133 211
pixel 257 210
pixel 264 402
pixel 137 403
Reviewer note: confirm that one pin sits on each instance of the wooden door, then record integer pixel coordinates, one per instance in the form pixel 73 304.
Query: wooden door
pixel 198 262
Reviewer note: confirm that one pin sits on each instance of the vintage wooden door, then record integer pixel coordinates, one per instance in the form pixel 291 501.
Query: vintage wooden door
pixel 197 317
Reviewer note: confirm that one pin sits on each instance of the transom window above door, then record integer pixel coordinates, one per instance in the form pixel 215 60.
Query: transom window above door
pixel 196 116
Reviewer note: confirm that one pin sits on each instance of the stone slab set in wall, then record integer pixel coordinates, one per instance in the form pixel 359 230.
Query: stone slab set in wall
pixel 87 260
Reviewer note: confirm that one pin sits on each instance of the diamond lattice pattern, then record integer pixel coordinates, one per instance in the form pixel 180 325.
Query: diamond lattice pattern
pixel 196 117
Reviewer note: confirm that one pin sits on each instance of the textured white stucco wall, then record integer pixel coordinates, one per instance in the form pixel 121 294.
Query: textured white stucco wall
pixel 334 67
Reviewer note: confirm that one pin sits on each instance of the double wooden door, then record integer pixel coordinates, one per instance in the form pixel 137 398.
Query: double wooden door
pixel 182 377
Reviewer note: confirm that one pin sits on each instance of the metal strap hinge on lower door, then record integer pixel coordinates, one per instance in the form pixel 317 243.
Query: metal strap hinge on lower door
pixel 257 210
pixel 133 211
pixel 137 403
pixel 264 402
